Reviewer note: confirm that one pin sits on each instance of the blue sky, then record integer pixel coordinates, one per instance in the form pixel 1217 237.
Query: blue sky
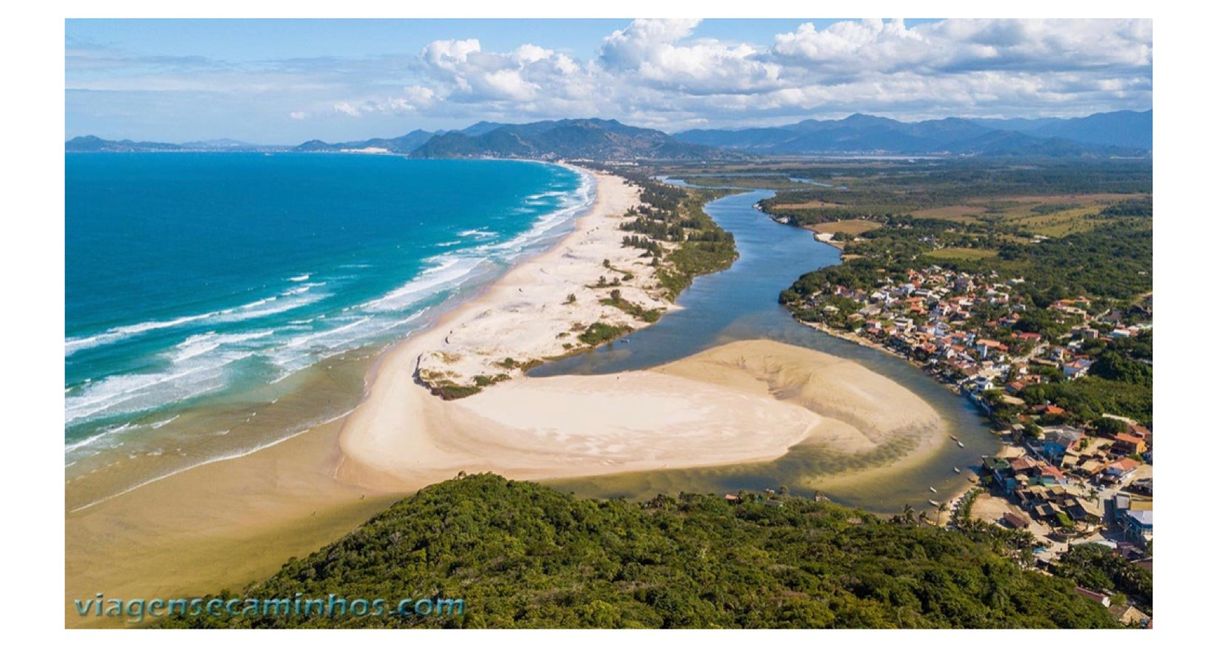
pixel 284 81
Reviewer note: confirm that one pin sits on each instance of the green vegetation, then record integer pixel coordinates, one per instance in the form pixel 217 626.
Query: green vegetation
pixel 450 391
pixel 599 332
pixel 1099 568
pixel 523 555
pixel 1090 397
pixel 961 253
pixel 615 299
pixel 1056 238
pixel 673 217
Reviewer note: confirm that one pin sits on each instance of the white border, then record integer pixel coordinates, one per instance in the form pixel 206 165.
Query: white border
pixel 32 254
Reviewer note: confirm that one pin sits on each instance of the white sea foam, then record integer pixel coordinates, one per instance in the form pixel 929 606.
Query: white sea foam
pixel 299 278
pixel 122 394
pixel 269 306
pixel 200 344
pixel 447 271
pixel 90 440
pixel 479 233
pixel 202 362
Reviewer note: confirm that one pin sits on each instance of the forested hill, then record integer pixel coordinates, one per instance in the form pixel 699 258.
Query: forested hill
pixel 524 555
pixel 598 139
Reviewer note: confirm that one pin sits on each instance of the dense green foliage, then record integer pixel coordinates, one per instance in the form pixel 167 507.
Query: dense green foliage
pixel 1097 567
pixel 674 216
pixel 564 139
pixel 524 555
pixel 1091 396
pixel 599 332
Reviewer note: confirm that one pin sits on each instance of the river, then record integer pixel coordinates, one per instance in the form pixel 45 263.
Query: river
pixel 742 303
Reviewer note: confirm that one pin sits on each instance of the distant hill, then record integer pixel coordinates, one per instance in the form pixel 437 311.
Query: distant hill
pixel 1099 135
pixel 220 144
pixel 566 139
pixel 481 127
pixel 404 144
pixel 91 143
pixel 1125 134
pixel 1127 129
pixel 524 555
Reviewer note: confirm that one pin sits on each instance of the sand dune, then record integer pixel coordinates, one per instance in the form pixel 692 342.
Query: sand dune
pixel 537 310
pixel 741 402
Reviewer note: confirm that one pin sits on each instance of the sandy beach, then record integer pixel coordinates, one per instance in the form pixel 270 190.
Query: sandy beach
pixel 539 308
pixel 228 523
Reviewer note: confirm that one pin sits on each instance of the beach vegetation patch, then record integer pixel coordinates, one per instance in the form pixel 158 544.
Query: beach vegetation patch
pixel 599 332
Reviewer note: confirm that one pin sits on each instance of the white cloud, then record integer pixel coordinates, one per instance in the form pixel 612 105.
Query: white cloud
pixel 661 53
pixel 660 73
pixel 873 46
pixel 344 107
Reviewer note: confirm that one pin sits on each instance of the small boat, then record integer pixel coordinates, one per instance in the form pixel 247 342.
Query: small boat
pixel 957 469
pixel 959 443
pixel 932 489
pixel 933 502
pixel 955 438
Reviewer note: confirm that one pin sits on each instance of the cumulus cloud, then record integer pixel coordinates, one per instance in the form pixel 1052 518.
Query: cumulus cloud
pixel 662 53
pixel 661 73
pixel 876 46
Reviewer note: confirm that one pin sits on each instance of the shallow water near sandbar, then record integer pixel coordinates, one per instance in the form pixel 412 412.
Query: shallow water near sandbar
pixel 742 303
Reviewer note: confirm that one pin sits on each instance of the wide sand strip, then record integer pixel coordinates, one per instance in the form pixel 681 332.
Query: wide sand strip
pixel 230 522
pixel 539 308
pixel 741 402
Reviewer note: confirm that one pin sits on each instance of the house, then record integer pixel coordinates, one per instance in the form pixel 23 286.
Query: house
pixel 1139 526
pixel 1076 368
pixel 1122 502
pixel 1059 440
pixel 1014 521
pixel 1049 475
pixel 1082 511
pixel 1101 598
pixel 1119 471
pixel 1129 615
pixel 1128 444
pixel 1048 409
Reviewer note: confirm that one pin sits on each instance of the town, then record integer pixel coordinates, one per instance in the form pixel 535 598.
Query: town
pixel 1069 477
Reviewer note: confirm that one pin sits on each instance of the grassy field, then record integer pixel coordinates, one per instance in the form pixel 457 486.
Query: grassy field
pixel 1047 215
pixel 848 226
pixel 961 253
pixel 957 213
pixel 815 203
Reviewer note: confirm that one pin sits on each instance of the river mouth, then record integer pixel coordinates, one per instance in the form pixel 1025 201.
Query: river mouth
pixel 741 303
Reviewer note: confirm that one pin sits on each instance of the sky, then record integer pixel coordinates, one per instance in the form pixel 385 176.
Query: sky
pixel 287 81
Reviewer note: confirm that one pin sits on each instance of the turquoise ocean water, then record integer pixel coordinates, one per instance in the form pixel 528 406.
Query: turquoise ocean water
pixel 194 277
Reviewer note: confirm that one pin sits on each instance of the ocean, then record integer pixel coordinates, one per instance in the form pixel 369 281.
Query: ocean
pixel 198 281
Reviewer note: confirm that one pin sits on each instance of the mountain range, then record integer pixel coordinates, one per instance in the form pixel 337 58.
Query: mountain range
pixel 1108 134
pixel 1111 134
pixel 566 139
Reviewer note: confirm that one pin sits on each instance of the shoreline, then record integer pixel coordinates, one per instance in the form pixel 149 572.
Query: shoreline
pixel 206 528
